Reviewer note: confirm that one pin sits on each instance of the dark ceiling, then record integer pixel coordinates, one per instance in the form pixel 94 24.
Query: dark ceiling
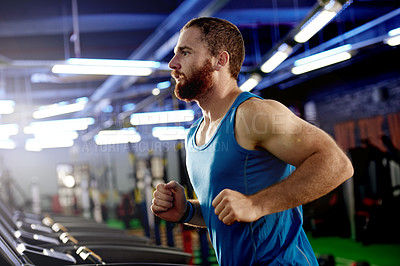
pixel 35 34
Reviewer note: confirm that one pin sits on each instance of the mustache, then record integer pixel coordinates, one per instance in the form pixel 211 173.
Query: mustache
pixel 176 73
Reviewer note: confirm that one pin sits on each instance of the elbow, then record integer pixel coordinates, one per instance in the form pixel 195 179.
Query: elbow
pixel 346 167
pixel 351 170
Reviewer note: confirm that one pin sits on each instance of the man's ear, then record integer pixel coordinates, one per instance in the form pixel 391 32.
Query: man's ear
pixel 223 60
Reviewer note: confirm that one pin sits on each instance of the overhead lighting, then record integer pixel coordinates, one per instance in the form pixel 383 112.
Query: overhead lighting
pixel 59 125
pixel 169 133
pixel 323 59
pixel 161 86
pixel 162 117
pixel 394 32
pixel 128 107
pixel 251 83
pixel 33 144
pixel 155 91
pixel 107 109
pixel 6 107
pixel 7 130
pixel 108 137
pixel 323 55
pixel 101 70
pixel 393 41
pixel 113 62
pixel 318 21
pixel 7 144
pixel 20 247
pixel 56 109
pixel 50 136
pixel 394 37
pixel 277 58
pixel 92 66
pixel 164 85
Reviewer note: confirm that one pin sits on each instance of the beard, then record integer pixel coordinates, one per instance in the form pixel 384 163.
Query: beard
pixel 196 86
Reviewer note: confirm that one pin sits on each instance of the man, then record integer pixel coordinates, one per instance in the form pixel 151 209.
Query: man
pixel 252 162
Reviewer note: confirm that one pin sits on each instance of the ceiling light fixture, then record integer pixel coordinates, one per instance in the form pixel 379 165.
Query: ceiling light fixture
pixel 394 37
pixel 59 125
pixel 108 137
pixel 6 107
pixel 155 91
pixel 251 83
pixel 277 58
pixel 169 133
pixel 7 144
pixel 92 66
pixel 318 21
pixel 322 59
pixel 57 109
pixel 101 70
pixel 113 62
pixel 162 117
pixel 164 85
pixel 7 130
pixel 33 144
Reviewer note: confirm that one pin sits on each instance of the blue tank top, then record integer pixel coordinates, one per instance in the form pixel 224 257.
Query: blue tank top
pixel 275 239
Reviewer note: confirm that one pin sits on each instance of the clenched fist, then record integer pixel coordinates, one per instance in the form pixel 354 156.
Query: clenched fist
pixel 169 201
pixel 232 206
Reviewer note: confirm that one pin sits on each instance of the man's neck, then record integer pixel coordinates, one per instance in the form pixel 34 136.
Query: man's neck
pixel 216 104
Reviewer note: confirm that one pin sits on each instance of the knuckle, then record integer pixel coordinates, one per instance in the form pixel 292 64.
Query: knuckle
pixel 154 201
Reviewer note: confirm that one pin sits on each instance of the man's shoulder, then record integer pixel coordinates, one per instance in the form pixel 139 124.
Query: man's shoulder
pixel 257 118
pixel 255 106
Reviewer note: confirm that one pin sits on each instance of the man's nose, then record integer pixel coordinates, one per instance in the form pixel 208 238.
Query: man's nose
pixel 174 64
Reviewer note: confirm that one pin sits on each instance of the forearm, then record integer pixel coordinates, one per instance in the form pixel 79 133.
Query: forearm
pixel 318 175
pixel 197 219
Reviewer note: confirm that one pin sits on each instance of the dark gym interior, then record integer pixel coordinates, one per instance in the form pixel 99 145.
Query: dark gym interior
pixel 76 197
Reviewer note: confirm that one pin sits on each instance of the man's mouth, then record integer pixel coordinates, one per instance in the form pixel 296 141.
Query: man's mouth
pixel 176 76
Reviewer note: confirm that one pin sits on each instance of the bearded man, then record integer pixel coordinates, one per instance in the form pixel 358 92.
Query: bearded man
pixel 251 161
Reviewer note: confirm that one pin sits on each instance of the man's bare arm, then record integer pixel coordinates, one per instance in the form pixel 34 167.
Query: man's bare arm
pixel 197 219
pixel 320 164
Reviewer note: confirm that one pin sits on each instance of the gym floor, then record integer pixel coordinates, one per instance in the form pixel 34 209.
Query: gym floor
pixel 347 251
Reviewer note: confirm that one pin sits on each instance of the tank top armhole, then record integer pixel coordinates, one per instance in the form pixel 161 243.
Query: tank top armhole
pixel 232 124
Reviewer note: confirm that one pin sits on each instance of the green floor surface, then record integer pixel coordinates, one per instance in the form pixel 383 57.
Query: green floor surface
pixel 115 223
pixel 347 251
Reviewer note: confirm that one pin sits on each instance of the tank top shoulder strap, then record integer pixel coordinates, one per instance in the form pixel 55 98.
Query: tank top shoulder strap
pixel 239 100
pixel 243 97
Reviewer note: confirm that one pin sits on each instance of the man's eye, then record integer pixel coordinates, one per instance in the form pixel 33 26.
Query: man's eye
pixel 185 53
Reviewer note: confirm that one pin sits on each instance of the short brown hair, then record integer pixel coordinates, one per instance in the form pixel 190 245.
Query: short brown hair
pixel 221 35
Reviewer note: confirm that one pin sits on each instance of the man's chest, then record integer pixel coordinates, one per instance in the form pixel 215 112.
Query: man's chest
pixel 206 132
